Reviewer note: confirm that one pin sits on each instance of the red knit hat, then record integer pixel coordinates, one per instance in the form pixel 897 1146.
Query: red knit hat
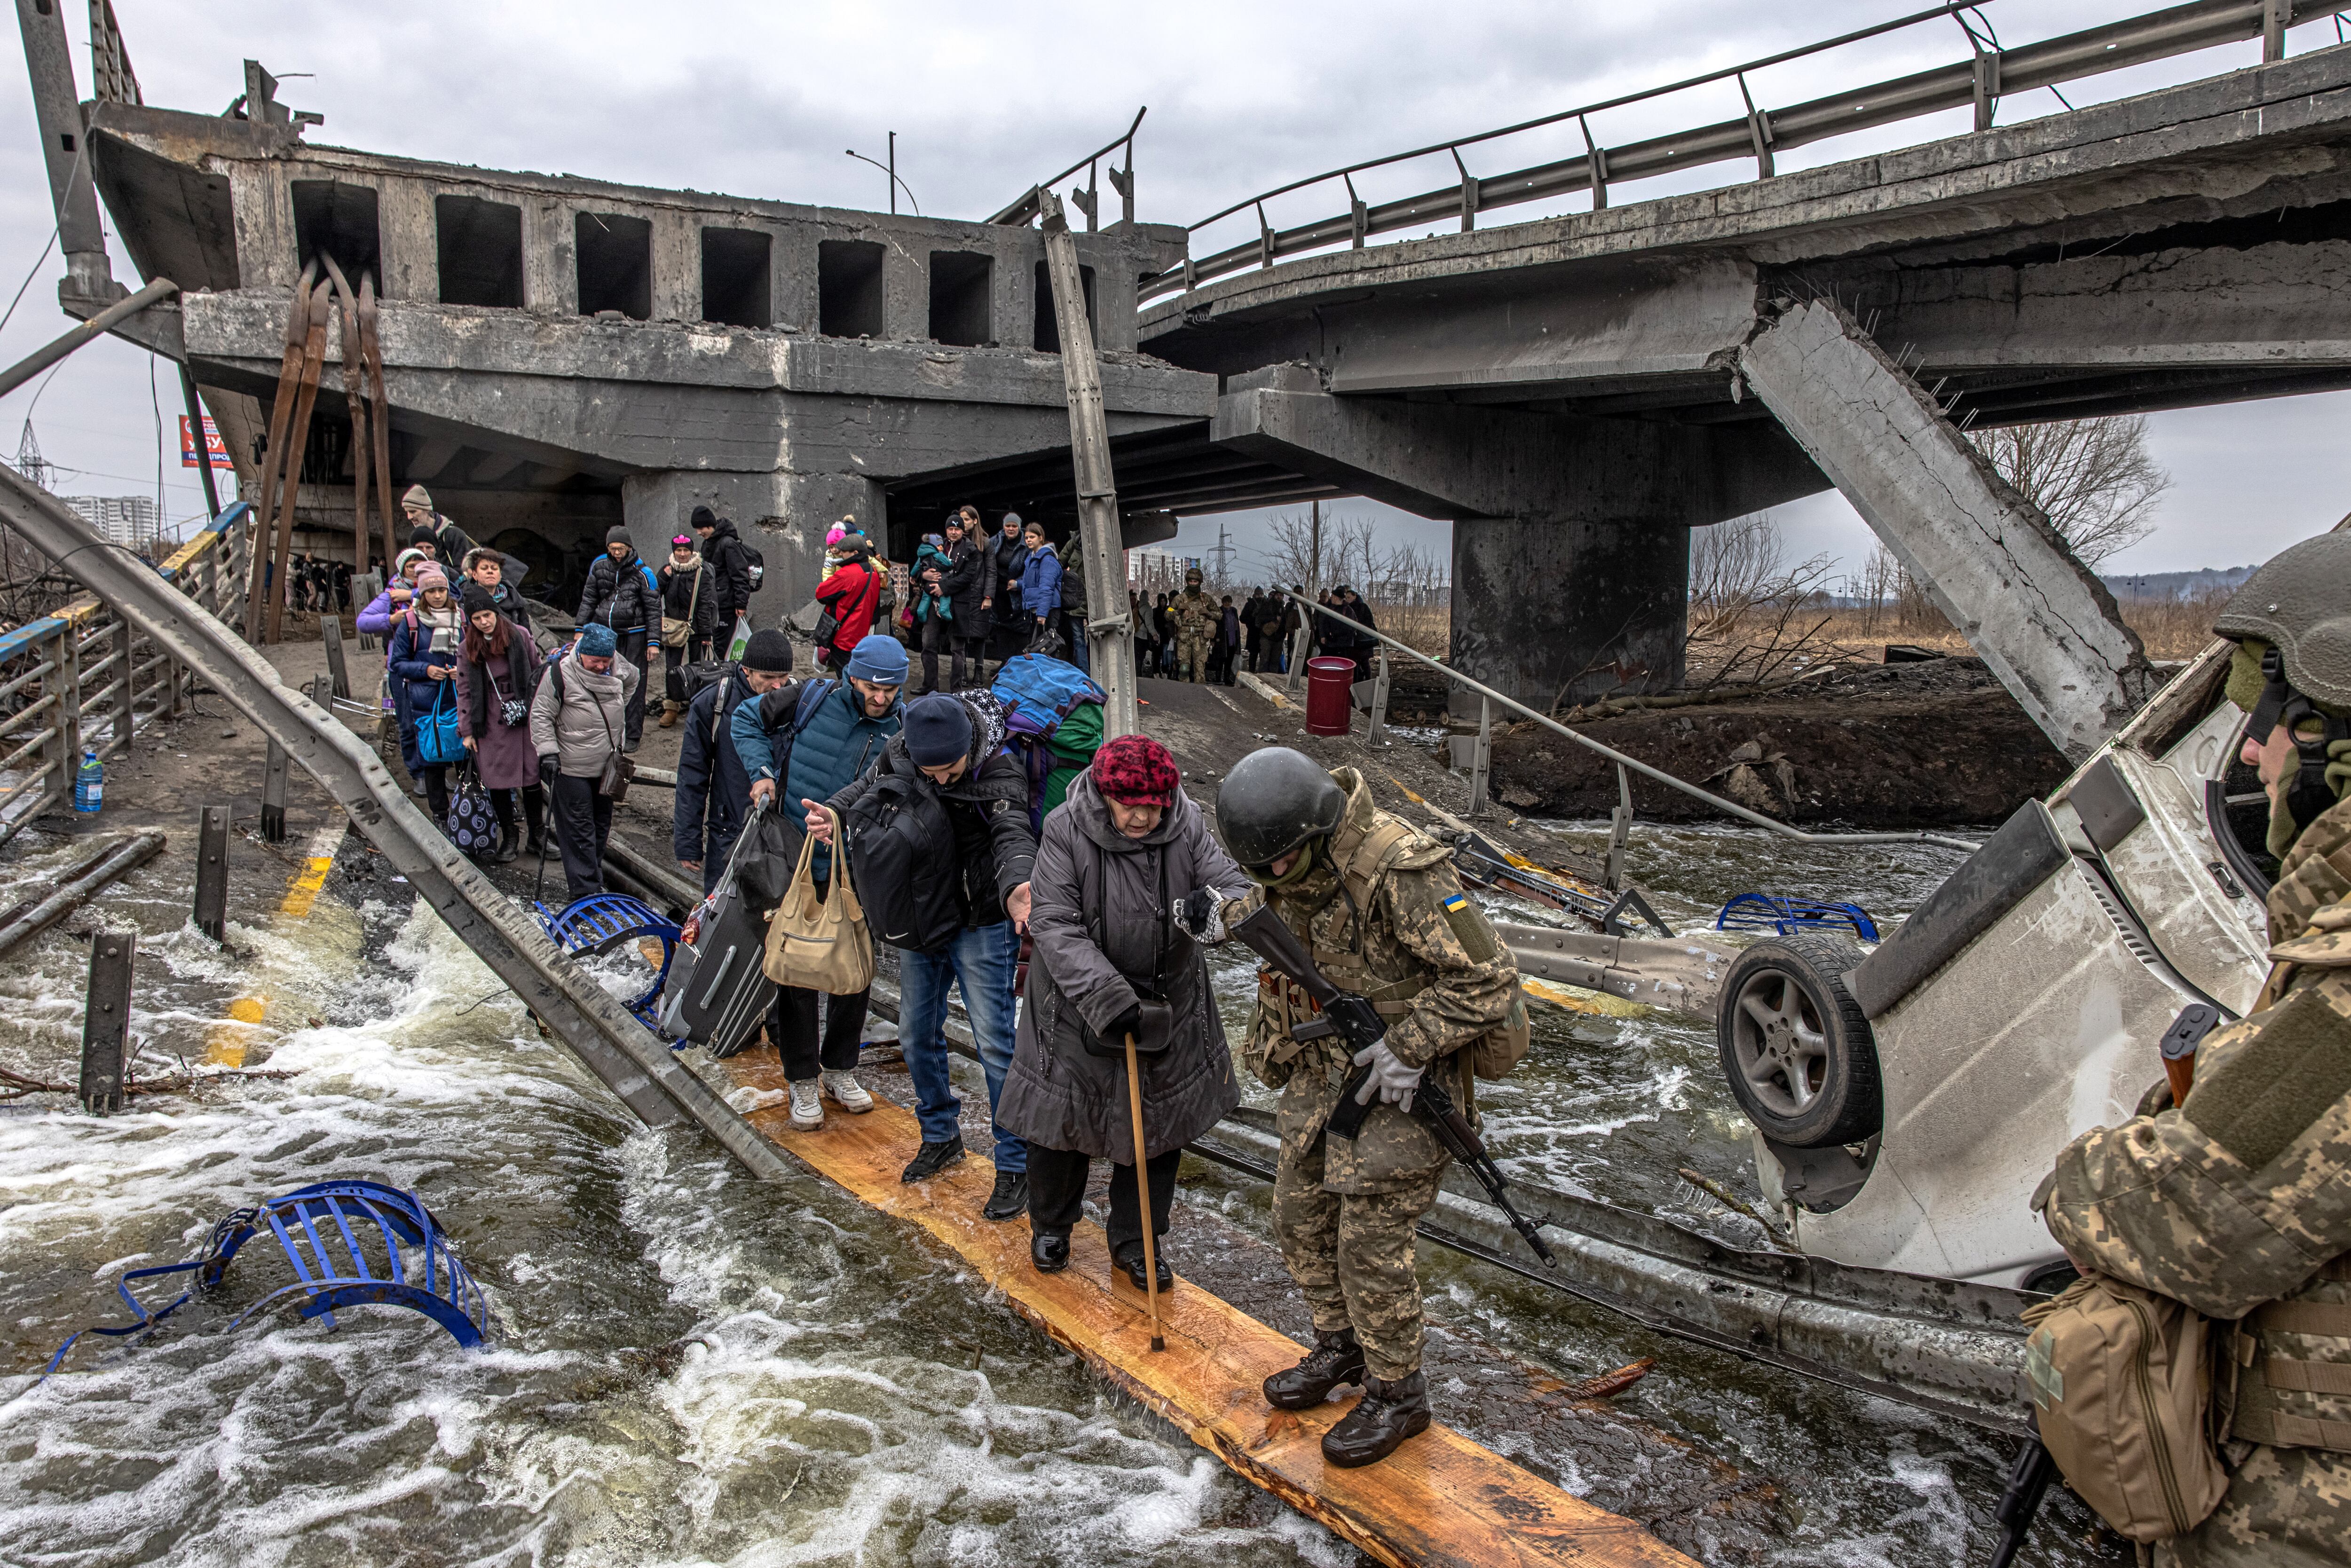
pixel 1137 771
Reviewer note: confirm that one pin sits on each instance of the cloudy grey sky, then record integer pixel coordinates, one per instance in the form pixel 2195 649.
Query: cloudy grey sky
pixel 761 98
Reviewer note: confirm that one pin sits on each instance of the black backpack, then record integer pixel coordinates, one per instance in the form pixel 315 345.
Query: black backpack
pixel 755 566
pixel 902 856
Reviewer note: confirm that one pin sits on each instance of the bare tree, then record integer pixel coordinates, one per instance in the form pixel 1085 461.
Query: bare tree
pixel 2094 477
pixel 1751 616
pixel 1874 585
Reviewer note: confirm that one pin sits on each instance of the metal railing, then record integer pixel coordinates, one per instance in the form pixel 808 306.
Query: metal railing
pixel 1622 819
pixel 81 679
pixel 1031 206
pixel 1989 74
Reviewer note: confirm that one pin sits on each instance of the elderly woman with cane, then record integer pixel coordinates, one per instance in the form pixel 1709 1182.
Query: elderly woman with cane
pixel 1120 1043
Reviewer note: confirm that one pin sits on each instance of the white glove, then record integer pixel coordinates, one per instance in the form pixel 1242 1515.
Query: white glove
pixel 1394 1081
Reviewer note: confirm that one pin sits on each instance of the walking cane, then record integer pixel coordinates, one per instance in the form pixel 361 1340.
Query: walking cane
pixel 547 831
pixel 1142 1191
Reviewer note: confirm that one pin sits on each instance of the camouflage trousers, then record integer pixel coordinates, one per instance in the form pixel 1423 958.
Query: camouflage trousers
pixel 1351 1255
pixel 1192 656
pixel 2285 1507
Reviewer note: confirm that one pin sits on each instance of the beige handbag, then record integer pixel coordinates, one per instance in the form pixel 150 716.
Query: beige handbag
pixel 676 633
pixel 820 944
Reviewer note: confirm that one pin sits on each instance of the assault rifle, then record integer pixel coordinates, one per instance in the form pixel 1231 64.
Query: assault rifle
pixel 1357 1023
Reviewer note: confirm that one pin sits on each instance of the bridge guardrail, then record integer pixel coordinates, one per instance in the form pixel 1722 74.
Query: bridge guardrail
pixel 1990 73
pixel 594 1025
pixel 82 678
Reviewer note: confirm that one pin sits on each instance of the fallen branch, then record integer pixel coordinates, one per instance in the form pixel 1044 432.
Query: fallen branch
pixel 1603 1385
pixel 17 1086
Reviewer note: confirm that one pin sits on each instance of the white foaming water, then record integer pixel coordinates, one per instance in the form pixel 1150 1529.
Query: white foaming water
pixel 687 1367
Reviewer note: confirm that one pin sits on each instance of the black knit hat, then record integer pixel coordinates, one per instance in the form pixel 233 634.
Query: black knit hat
pixel 701 517
pixel 616 535
pixel 424 537
pixel 770 653
pixel 475 598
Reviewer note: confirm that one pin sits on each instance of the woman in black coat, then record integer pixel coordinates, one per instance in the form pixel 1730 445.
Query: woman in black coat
pixel 1111 958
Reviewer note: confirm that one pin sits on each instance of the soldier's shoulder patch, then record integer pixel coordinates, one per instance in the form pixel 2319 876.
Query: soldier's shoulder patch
pixel 1469 927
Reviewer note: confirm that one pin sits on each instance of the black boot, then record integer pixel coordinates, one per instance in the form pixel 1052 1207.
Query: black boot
pixel 1388 1413
pixel 1335 1359
pixel 1129 1257
pixel 933 1159
pixel 1050 1252
pixel 1010 1198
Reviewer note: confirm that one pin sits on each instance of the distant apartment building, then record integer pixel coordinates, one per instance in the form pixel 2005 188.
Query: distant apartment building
pixel 128 520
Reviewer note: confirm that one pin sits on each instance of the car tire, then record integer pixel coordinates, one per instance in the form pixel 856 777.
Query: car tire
pixel 1796 1050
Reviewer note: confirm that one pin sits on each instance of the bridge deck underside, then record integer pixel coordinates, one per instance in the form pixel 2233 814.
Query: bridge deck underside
pixel 1178 469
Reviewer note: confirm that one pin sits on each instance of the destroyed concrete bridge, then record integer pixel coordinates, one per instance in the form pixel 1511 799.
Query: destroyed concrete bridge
pixel 1575 392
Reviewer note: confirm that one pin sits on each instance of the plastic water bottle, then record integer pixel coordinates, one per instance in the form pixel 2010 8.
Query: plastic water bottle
pixel 89 784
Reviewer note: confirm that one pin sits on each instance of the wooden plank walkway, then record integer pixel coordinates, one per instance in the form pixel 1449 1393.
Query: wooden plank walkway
pixel 1441 1501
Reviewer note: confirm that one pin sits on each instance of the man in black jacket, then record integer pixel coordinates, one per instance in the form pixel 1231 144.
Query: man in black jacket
pixel 951 750
pixel 622 594
pixel 687 595
pixel 730 573
pixel 713 789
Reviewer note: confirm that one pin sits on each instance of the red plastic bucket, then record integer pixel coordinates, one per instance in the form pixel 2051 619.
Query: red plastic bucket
pixel 1330 700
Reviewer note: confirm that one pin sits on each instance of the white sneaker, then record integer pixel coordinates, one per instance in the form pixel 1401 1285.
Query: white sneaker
pixel 808 1111
pixel 846 1091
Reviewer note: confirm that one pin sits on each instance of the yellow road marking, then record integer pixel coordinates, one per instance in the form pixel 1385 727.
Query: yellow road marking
pixel 1576 1000
pixel 226 1044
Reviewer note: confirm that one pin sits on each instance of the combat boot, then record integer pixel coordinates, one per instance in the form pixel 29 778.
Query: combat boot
pixel 1335 1359
pixel 1389 1412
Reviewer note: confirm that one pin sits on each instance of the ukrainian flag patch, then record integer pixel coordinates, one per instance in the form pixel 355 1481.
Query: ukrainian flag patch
pixel 1469 927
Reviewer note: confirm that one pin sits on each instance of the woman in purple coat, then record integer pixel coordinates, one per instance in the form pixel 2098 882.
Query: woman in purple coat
pixel 497 673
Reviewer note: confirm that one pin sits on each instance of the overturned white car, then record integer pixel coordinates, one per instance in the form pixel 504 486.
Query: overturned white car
pixel 1908 1103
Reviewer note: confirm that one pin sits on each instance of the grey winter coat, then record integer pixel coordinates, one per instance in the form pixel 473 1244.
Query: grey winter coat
pixel 1098 918
pixel 581 716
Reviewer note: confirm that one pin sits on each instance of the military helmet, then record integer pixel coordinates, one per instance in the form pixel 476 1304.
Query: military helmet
pixel 1273 800
pixel 2299 603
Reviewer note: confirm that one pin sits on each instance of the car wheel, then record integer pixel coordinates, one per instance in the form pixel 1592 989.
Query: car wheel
pixel 1797 1052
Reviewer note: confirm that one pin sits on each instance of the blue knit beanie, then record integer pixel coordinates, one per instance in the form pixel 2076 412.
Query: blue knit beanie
pixel 596 641
pixel 938 731
pixel 879 658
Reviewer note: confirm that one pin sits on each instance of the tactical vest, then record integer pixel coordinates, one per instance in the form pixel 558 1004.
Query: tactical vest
pixel 2285 1399
pixel 1390 846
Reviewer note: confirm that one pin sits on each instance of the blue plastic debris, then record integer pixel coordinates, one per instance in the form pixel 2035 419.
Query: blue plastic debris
pixel 603 921
pixel 337 1269
pixel 1773 912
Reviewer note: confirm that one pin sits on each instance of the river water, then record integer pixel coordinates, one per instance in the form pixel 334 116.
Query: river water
pixel 690 1367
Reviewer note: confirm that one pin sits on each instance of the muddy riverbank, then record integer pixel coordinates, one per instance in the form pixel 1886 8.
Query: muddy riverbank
pixel 1898 745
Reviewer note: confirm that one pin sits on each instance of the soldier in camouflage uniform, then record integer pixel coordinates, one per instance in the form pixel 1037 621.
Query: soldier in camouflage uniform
pixel 1197 619
pixel 1378 906
pixel 2238 1203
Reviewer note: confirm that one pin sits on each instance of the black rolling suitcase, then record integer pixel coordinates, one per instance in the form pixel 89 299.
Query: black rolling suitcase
pixel 717 993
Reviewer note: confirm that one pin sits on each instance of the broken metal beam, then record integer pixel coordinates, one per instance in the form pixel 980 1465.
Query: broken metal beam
pixel 56 349
pixel 80 884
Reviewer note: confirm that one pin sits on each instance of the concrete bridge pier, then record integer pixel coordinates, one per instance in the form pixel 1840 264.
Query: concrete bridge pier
pixel 782 515
pixel 1571 537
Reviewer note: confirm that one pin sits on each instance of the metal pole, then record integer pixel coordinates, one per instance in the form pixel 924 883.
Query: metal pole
pixel 1111 634
pixel 330 627
pixel 273 795
pixel 203 448
pixel 1620 831
pixel 1482 761
pixel 106 1020
pixel 122 309
pixel 211 912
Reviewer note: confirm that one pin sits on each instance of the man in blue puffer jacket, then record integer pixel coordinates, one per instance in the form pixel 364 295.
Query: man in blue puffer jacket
pixel 849 723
